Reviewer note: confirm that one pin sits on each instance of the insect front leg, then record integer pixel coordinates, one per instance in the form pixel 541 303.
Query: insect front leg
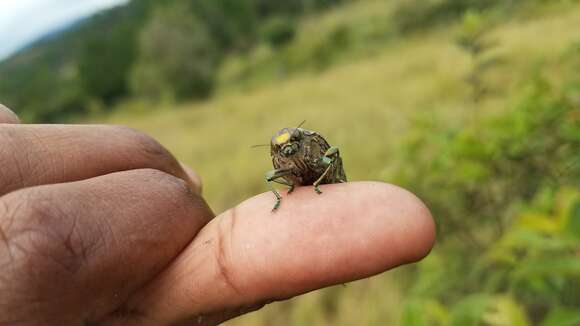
pixel 291 185
pixel 327 160
pixel 286 183
pixel 274 176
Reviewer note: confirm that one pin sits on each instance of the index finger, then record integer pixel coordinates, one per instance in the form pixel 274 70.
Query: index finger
pixel 248 256
pixel 33 155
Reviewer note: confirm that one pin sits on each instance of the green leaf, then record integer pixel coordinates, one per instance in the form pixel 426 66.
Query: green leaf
pixel 438 314
pixel 470 310
pixel 573 225
pixel 539 222
pixel 505 311
pixel 562 317
pixel 413 314
pixel 569 266
pixel 419 312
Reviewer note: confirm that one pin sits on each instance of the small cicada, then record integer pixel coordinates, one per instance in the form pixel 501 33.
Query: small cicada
pixel 302 157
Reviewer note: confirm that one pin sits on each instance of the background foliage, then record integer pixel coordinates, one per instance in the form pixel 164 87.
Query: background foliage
pixel 473 105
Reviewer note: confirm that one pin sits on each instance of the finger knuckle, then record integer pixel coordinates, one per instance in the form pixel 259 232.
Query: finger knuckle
pixel 147 146
pixel 10 175
pixel 174 193
pixel 5 221
pixel 164 180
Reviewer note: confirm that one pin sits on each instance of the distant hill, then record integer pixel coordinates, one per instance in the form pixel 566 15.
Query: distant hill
pixel 42 81
pixel 60 44
pixel 53 35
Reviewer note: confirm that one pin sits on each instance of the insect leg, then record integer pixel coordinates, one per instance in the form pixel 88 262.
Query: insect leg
pixel 272 176
pixel 331 152
pixel 316 184
pixel 286 183
pixel 328 159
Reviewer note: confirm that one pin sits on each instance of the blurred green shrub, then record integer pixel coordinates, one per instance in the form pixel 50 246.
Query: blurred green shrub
pixel 232 24
pixel 106 54
pixel 505 194
pixel 323 53
pixel 59 100
pixel 279 31
pixel 104 66
pixel 529 276
pixel 473 38
pixel 177 56
pixel 470 174
pixel 269 7
pixel 412 15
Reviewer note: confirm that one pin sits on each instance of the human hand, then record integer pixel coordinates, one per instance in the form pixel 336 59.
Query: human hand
pixel 100 225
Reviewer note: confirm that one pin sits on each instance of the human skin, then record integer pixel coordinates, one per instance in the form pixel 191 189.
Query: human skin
pixel 101 225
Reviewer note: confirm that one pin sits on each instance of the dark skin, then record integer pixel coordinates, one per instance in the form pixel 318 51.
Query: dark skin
pixel 100 225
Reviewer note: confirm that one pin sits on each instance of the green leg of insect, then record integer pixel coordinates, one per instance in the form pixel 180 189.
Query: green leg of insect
pixel 286 183
pixel 274 176
pixel 328 160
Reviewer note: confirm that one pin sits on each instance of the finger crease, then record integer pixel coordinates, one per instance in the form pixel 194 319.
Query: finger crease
pixel 4 240
pixel 3 236
pixel 222 260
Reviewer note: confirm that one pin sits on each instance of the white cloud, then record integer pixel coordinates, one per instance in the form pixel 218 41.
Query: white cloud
pixel 23 21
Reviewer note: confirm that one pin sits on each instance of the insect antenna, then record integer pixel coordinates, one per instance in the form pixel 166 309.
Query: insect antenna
pixel 260 145
pixel 301 123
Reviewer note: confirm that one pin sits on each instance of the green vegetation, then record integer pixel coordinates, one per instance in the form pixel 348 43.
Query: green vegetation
pixel 496 156
pixel 520 266
pixel 82 69
pixel 178 57
pixel 473 40
pixel 279 31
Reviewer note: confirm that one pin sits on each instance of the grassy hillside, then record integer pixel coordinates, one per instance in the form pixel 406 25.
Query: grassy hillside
pixel 365 103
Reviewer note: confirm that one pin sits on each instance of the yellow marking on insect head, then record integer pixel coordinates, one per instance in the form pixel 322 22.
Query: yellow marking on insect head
pixel 283 138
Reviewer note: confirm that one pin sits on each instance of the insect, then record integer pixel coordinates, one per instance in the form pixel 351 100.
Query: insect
pixel 302 157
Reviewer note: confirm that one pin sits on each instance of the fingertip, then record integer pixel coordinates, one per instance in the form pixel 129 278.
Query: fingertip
pixel 420 225
pixel 196 183
pixel 360 228
pixel 7 115
pixel 396 225
pixel 427 231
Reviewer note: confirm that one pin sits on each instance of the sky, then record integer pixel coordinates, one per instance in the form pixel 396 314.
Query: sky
pixel 24 21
